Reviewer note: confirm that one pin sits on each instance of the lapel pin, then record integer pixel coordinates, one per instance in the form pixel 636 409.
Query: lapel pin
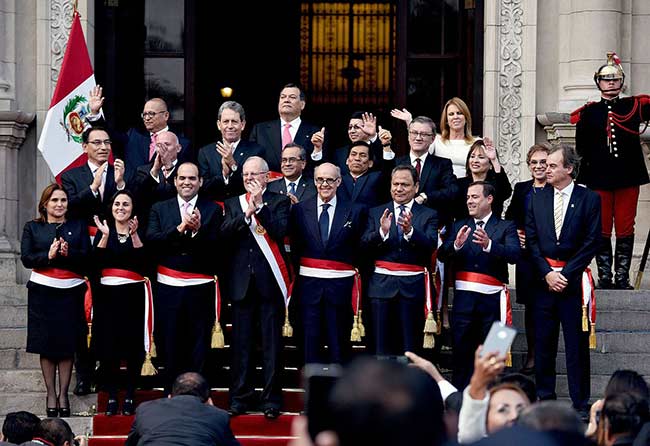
pixel 69 233
pixel 241 153
pixel 572 205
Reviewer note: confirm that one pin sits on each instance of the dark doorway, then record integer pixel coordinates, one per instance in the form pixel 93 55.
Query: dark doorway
pixel 373 55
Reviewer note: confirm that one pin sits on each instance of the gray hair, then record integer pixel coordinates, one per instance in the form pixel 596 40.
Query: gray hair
pixel 336 168
pixel 234 106
pixel 571 158
pixel 264 165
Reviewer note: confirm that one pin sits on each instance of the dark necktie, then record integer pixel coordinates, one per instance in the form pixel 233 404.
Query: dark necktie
pixel 480 223
pixel 324 223
pixel 292 188
pixel 402 213
pixel 418 166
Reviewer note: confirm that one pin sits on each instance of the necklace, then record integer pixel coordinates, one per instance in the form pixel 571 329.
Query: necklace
pixel 122 237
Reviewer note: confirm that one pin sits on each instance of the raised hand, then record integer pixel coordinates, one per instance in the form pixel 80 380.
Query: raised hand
pixel 385 137
pixel 255 199
pixel 101 225
pixel 405 222
pixel 95 99
pixel 97 179
pixel 369 126
pixel 486 369
pixel 54 248
pixel 133 225
pixel 118 167
pixel 402 115
pixel 194 220
pixel 462 236
pixel 480 237
pixel 317 140
pixel 385 221
pixel 225 150
pixel 63 248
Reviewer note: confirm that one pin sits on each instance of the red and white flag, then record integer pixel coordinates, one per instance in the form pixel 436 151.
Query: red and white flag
pixel 60 141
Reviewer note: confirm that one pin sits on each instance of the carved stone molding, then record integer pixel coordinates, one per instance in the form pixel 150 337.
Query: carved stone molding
pixel 13 128
pixel 558 128
pixel 509 124
pixel 60 24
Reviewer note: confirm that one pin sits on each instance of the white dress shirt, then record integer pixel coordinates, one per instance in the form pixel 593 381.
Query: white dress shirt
pixel 330 210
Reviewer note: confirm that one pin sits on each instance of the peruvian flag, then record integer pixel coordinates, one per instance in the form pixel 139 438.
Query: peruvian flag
pixel 60 141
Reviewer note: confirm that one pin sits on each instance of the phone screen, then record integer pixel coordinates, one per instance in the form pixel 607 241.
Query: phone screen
pixel 319 384
pixel 499 339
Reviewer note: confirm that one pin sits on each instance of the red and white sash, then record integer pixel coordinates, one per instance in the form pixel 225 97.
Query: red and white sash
pixel 172 277
pixel 116 276
pixel 484 284
pixel 64 279
pixel 332 269
pixel 588 292
pixel 406 270
pixel 271 252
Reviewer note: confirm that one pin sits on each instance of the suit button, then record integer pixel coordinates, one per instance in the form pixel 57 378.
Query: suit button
pixel 616 155
pixel 250 250
pixel 475 265
pixel 557 243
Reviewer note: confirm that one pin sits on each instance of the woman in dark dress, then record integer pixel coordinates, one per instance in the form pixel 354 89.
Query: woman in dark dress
pixel 122 296
pixel 483 165
pixel 524 274
pixel 56 250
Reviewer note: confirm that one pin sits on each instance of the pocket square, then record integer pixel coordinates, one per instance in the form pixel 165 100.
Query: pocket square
pixel 348 224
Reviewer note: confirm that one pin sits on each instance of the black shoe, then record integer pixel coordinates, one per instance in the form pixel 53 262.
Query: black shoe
pixel 128 407
pixel 622 262
pixel 271 413
pixel 235 411
pixel 52 412
pixel 583 414
pixel 111 407
pixel 82 388
pixel 64 412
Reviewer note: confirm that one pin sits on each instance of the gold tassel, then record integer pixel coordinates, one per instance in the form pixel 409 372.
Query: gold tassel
pixel 508 358
pixel 430 325
pixel 153 352
pixel 355 335
pixel 89 336
pixel 217 340
pixel 147 367
pixel 429 341
pixel 439 323
pixel 585 321
pixel 287 329
pixel 592 337
pixel 362 328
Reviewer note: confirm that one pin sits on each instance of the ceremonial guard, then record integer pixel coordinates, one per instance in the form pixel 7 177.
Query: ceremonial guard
pixel 607 139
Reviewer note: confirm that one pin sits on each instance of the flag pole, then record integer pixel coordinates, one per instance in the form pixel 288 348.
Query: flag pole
pixel 75 4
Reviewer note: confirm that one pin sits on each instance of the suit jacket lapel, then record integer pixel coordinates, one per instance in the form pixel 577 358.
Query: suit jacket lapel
pixel 358 187
pixel 300 188
pixel 276 139
pixel 426 171
pixel 573 199
pixel 311 220
pixel 348 184
pixel 340 216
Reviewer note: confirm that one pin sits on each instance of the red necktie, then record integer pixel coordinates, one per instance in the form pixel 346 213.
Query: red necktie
pixel 286 135
pixel 418 166
pixel 152 146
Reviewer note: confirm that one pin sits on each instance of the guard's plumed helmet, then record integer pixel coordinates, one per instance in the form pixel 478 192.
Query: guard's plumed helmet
pixel 611 70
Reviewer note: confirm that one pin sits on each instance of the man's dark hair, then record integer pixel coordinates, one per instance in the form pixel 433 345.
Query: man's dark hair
pixel 571 158
pixel 19 427
pixel 387 403
pixel 488 188
pixel 522 381
pixel 546 416
pixel 54 430
pixel 361 144
pixel 293 85
pixel 408 168
pixel 424 120
pixel 625 413
pixel 627 381
pixel 86 134
pixel 357 115
pixel 303 152
pixel 191 383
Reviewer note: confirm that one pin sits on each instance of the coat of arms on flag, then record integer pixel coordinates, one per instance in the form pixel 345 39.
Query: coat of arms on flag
pixel 74 114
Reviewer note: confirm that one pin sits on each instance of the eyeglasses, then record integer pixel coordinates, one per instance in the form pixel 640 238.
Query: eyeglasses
pixel 253 174
pixel 290 160
pixel 422 135
pixel 325 181
pixel 151 114
pixel 99 142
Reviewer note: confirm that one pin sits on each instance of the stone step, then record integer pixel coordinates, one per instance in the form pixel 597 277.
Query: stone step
pixel 13 358
pixel 13 294
pixel 13 316
pixel 606 341
pixel 598 383
pixel 607 319
pixel 34 402
pixel 608 363
pixel 15 338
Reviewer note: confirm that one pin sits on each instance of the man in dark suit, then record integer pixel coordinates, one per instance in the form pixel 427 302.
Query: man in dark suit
pixel 187 417
pixel 401 236
pixel 437 181
pixel 274 135
pixel 183 233
pixel 361 127
pixel 258 285
pixel 481 273
pixel 89 188
pixel 563 227
pixel 220 162
pixel 293 183
pixel 359 184
pixel 137 147
pixel 325 232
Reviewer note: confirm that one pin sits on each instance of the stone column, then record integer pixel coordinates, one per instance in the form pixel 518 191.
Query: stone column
pixel 510 78
pixel 13 129
pixel 7 54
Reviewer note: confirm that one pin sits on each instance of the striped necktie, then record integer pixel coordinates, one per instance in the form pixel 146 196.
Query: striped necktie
pixel 558 212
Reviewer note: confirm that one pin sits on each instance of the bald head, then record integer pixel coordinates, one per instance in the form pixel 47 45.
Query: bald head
pixel 155 115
